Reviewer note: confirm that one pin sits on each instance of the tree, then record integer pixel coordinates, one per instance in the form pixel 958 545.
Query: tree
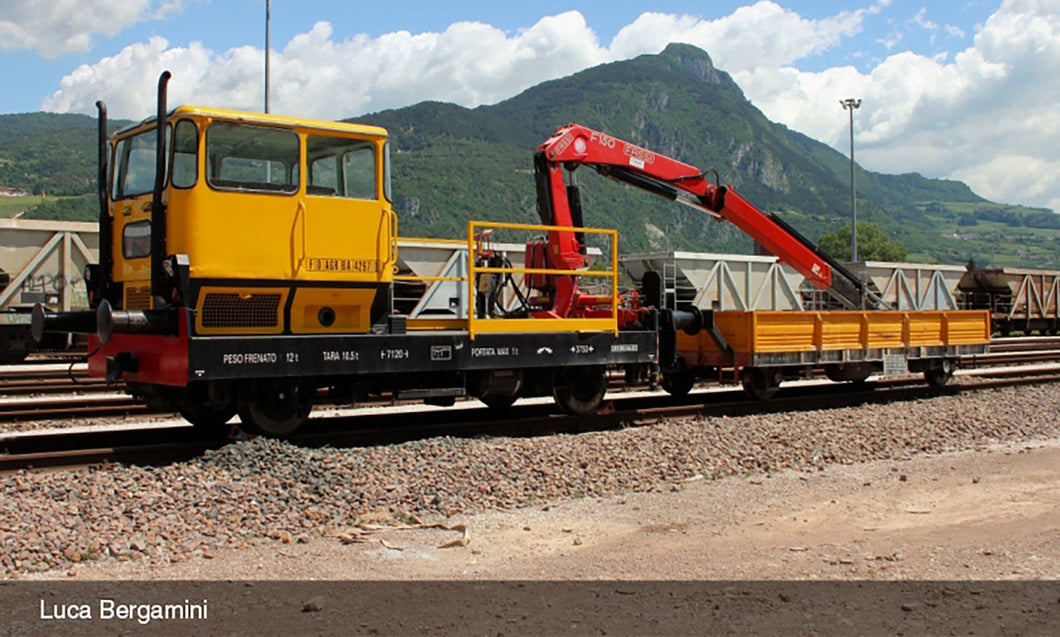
pixel 873 244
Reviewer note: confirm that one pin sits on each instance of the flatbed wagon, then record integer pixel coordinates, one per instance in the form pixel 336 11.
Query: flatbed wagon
pixel 766 347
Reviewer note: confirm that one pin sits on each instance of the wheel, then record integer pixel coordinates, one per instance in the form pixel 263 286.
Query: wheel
pixel 939 375
pixel 498 389
pixel 759 383
pixel 207 417
pixel 678 383
pixel 498 402
pixel 276 409
pixel 580 390
pixel 848 372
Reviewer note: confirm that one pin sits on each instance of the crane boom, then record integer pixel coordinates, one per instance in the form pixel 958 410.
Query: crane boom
pixel 558 204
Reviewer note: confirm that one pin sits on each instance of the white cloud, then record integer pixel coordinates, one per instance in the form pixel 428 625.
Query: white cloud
pixel 920 19
pixel 955 31
pixel 986 112
pixel 991 117
pixel 48 28
pixel 892 40
pixel 763 34
pixel 1035 177
pixel 879 6
pixel 470 63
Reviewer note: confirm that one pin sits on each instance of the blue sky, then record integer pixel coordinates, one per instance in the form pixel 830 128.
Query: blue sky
pixel 961 89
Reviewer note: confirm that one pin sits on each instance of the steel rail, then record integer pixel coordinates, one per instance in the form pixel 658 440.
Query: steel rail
pixel 168 443
pixel 44 408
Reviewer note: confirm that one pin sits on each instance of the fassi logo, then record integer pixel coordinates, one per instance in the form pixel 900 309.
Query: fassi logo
pixel 636 152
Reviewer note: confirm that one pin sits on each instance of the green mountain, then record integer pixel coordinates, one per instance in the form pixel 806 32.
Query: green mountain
pixel 48 153
pixel 53 157
pixel 452 164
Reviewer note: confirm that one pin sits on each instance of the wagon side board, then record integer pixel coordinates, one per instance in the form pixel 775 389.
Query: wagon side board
pixel 760 339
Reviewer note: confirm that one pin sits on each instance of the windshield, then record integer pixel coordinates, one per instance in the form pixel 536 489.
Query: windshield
pixel 259 158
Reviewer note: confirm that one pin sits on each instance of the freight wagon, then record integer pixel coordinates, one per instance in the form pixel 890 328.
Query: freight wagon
pixel 41 262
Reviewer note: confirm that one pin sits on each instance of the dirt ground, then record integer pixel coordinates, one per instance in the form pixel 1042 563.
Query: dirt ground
pixel 992 514
pixel 790 553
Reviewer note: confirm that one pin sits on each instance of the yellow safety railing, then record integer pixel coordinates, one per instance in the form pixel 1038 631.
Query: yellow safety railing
pixel 477 325
pixel 400 240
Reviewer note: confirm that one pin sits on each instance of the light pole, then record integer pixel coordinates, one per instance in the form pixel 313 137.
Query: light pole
pixel 851 105
pixel 267 3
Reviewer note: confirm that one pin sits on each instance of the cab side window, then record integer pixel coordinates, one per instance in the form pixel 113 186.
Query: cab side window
pixel 185 154
pixel 341 167
pixel 136 240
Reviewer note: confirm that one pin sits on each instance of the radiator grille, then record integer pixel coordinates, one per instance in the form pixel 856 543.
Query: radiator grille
pixel 138 298
pixel 229 309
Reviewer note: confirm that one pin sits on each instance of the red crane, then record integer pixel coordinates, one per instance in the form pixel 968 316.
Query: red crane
pixel 559 204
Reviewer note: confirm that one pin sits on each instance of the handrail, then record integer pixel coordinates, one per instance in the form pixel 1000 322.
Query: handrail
pixel 428 240
pixel 495 324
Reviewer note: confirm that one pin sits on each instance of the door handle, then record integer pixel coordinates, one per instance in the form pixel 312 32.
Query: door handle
pixel 297 258
pixel 392 259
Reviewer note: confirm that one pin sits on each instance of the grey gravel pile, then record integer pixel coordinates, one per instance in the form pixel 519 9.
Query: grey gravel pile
pixel 268 489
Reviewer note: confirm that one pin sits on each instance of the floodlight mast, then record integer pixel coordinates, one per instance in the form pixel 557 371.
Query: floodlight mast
pixel 267 11
pixel 851 105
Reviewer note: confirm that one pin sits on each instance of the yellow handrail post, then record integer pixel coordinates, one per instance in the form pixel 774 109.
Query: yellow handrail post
pixel 614 279
pixel 471 280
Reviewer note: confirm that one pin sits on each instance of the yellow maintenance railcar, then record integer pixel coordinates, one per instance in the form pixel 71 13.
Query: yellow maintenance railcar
pixel 247 265
pixel 286 225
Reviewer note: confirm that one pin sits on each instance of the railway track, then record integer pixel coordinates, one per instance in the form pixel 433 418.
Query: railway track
pixel 49 378
pixel 70 448
pixel 169 442
pixel 56 385
pixel 58 408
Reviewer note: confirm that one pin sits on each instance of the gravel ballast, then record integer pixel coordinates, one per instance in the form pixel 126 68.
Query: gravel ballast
pixel 262 488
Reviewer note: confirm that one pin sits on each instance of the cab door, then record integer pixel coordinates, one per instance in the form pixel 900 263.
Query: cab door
pixel 347 227
pixel 131 193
